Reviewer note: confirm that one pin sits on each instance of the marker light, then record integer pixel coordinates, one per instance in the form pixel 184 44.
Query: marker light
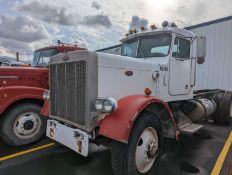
pixel 173 25
pixel 165 24
pixel 168 24
pixel 46 95
pixel 153 27
pixel 147 91
pixel 143 28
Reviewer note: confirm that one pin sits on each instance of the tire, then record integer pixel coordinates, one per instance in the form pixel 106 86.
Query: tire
pixel 224 112
pixel 126 158
pixel 22 125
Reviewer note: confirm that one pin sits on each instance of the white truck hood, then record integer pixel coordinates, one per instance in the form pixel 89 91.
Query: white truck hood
pixel 110 60
pixel 113 80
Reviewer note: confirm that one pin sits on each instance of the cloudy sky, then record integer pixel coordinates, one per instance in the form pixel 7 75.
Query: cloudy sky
pixel 26 25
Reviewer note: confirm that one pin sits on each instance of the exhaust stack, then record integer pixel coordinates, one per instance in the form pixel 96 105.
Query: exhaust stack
pixel 17 56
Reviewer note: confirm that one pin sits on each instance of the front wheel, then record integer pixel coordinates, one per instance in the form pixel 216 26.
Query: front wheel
pixel 22 125
pixel 142 154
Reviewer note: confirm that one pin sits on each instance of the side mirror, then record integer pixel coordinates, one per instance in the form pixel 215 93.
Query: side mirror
pixel 201 50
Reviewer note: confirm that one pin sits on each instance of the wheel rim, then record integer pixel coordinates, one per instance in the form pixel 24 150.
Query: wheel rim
pixel 27 125
pixel 146 150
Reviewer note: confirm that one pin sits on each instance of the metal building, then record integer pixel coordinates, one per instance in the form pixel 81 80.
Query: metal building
pixel 216 72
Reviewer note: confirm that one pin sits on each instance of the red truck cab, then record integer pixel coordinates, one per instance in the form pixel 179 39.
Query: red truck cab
pixel 21 97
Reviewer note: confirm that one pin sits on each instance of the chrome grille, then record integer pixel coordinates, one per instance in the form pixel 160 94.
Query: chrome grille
pixel 68 82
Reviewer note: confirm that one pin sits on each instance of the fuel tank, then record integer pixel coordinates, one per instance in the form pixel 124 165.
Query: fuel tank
pixel 203 108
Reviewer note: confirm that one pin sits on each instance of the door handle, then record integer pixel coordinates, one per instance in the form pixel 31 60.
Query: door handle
pixel 155 75
pixel 164 81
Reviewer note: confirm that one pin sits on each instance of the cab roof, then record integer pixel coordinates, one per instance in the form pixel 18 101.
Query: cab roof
pixel 61 47
pixel 176 30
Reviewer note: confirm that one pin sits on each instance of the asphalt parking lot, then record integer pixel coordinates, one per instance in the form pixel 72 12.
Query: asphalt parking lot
pixel 199 154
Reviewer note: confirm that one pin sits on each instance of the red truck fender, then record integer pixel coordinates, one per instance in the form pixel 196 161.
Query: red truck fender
pixel 12 94
pixel 45 109
pixel 119 123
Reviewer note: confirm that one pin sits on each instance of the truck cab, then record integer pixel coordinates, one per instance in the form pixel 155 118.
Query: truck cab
pixel 21 97
pixel 174 52
pixel 134 102
pixel 42 56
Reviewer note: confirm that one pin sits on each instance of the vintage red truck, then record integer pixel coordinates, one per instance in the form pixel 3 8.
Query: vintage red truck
pixel 21 97
pixel 135 102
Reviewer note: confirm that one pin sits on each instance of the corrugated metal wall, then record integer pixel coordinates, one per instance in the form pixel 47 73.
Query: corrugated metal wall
pixel 216 72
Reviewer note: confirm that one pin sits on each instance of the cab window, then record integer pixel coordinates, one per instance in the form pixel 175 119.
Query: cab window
pixel 42 57
pixel 129 48
pixel 181 48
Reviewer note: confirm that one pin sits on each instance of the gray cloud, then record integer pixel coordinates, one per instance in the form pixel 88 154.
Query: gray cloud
pixel 96 5
pixel 15 46
pixel 80 42
pixel 50 14
pixel 97 20
pixel 188 13
pixel 21 29
pixel 59 15
pixel 137 22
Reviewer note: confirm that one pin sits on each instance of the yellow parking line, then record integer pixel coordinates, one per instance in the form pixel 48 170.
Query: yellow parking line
pixel 26 151
pixel 218 165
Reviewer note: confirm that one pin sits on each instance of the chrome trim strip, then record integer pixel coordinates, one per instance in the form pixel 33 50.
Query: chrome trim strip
pixel 9 77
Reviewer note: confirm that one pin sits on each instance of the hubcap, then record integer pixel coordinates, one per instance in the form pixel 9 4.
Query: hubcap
pixel 27 125
pixel 146 150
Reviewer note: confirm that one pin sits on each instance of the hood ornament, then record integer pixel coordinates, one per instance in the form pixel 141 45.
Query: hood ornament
pixel 66 57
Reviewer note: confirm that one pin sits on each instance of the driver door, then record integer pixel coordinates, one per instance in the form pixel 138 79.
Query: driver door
pixel 180 67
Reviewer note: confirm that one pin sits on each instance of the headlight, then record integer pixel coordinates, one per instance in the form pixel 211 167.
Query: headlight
pixel 106 105
pixel 46 95
pixel 99 104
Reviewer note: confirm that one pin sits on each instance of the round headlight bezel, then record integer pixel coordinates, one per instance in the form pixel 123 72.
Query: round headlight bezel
pixel 99 102
pixel 108 107
pixel 110 102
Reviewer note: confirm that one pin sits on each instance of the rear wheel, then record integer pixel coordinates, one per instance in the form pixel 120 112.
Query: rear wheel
pixel 142 154
pixel 22 125
pixel 223 114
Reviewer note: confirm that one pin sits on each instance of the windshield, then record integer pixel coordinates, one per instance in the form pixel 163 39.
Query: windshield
pixel 42 57
pixel 149 46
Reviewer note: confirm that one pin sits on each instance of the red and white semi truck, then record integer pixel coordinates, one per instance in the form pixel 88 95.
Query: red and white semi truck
pixel 21 97
pixel 132 102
